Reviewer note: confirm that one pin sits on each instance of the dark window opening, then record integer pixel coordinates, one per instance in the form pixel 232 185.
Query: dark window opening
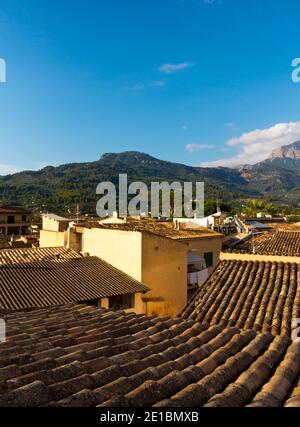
pixel 120 302
pixel 209 259
pixel 25 231
pixel 92 302
pixel 10 219
pixel 24 218
pixel 13 231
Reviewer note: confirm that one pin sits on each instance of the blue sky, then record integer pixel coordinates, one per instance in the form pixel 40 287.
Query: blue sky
pixel 191 81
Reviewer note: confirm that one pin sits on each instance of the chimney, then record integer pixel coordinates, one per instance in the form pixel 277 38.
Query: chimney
pixel 177 225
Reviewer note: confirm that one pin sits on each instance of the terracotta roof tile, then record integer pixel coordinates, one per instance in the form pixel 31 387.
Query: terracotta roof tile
pixel 264 296
pixel 40 279
pixel 28 255
pixel 161 228
pixel 281 243
pixel 185 363
pixel 285 243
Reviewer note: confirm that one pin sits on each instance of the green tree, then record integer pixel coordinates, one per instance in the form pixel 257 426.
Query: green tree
pixel 256 206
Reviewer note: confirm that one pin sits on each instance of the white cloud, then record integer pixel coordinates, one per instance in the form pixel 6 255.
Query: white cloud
pixel 141 86
pixel 8 169
pixel 175 68
pixel 256 146
pixel 195 147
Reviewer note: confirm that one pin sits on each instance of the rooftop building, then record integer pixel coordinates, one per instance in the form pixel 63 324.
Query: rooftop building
pixel 168 229
pixel 155 253
pixel 14 221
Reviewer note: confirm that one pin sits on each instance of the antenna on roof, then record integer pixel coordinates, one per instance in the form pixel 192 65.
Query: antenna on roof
pixel 77 214
pixel 218 208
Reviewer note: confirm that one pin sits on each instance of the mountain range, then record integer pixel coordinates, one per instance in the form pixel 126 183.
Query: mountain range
pixel 61 188
pixel 291 151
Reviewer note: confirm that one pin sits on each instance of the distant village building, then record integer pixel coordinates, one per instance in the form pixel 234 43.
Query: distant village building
pixel 54 227
pixel 14 221
pixel 263 215
pixel 210 221
pixel 255 226
pixel 155 253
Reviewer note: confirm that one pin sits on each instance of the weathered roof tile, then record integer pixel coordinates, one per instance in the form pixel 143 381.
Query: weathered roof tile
pixel 34 277
pixel 96 361
pixel 263 296
pixel 33 394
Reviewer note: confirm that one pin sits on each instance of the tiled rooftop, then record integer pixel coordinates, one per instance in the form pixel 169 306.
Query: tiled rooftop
pixel 42 277
pixel 57 217
pixel 246 245
pixel 285 226
pixel 13 210
pixel 76 355
pixel 263 296
pixel 286 243
pixel 160 228
pixel 22 256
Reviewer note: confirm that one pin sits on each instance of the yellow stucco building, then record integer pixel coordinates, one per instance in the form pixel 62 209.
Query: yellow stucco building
pixel 153 252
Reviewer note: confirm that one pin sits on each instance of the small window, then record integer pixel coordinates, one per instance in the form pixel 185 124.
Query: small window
pixel 10 219
pixel 120 302
pixel 209 259
pixel 24 218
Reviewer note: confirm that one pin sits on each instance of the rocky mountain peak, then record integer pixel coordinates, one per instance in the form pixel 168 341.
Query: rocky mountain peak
pixel 291 151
